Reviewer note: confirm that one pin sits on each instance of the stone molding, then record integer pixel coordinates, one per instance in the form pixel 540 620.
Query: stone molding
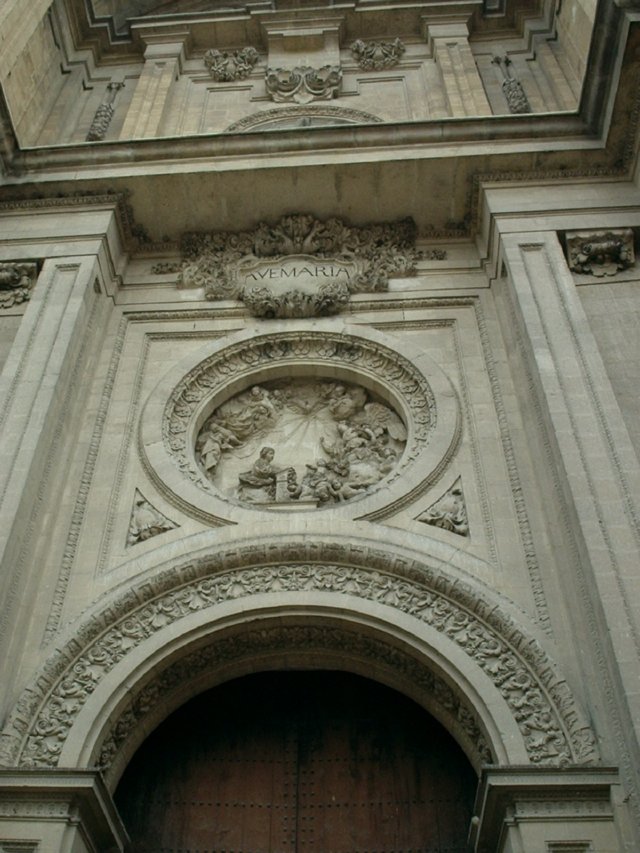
pixel 417 388
pixel 541 703
pixel 334 115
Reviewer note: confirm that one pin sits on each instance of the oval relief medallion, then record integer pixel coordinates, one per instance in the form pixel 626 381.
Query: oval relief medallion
pixel 302 442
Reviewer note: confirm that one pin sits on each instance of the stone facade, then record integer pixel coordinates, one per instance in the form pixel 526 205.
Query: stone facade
pixel 347 384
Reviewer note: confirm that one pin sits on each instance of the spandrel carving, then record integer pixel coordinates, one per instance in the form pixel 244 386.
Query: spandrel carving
pixel 449 512
pixel 305 442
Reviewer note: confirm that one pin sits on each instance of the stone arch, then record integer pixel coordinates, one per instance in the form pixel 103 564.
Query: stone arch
pixel 407 619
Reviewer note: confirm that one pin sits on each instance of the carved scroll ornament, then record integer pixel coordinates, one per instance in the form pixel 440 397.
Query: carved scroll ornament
pixel 600 253
pixel 303 84
pixel 226 67
pixel 299 266
pixel 16 283
pixel 377 55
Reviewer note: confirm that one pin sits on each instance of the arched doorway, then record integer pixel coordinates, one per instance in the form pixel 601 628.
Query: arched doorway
pixel 298 761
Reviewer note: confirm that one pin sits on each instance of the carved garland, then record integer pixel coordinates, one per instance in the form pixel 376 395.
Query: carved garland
pixel 459 715
pixel 541 703
pixel 363 356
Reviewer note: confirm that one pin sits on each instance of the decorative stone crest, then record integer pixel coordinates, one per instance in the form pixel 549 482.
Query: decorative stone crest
pixel 514 94
pixel 303 84
pixel 600 253
pixel 553 731
pixel 299 266
pixel 17 280
pixel 146 521
pixel 449 512
pixel 225 67
pixel 337 442
pixel 377 55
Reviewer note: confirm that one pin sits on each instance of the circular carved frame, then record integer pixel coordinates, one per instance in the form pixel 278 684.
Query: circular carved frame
pixel 408 620
pixel 410 383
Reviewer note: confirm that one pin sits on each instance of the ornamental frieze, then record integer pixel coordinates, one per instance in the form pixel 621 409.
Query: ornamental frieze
pixel 552 728
pixel 299 266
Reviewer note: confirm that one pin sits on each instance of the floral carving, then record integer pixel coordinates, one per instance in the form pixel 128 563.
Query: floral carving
pixel 226 264
pixel 104 114
pixel 16 283
pixel 146 521
pixel 338 442
pixel 377 55
pixel 600 253
pixel 540 703
pixel 316 347
pixel 303 84
pixel 449 512
pixel 512 89
pixel 225 67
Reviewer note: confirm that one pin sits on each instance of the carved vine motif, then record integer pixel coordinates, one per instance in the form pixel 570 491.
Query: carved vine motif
pixel 600 253
pixel 540 703
pixel 16 283
pixel 303 84
pixel 455 708
pixel 377 55
pixel 338 442
pixel 218 371
pixel 449 512
pixel 227 265
pixel 225 67
pixel 146 521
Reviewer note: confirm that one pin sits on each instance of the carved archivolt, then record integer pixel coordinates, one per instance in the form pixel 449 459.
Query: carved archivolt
pixel 422 406
pixel 309 115
pixel 551 726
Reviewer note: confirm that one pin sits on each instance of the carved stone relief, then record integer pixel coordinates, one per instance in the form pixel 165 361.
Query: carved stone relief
pixel 449 512
pixel 17 280
pixel 377 55
pixel 353 421
pixel 300 266
pixel 553 730
pixel 600 253
pixel 514 94
pixel 146 521
pixel 303 84
pixel 337 440
pixel 225 66
pixel 104 113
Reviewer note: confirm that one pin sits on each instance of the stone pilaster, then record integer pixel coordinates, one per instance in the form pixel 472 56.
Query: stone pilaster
pixel 162 62
pixel 460 77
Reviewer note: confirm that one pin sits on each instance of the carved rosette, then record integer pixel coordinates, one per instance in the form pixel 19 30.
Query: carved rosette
pixel 552 727
pixel 303 84
pixel 600 253
pixel 17 280
pixel 377 55
pixel 308 266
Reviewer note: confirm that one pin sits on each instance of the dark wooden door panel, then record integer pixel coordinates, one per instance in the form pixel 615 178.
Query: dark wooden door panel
pixel 302 762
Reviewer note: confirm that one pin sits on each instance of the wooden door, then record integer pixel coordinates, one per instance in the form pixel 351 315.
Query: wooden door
pixel 312 762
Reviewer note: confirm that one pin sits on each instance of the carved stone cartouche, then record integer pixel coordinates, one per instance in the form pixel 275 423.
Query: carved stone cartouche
pixel 600 253
pixel 225 67
pixel 303 84
pixel 377 55
pixel 337 440
pixel 16 283
pixel 449 512
pixel 312 267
